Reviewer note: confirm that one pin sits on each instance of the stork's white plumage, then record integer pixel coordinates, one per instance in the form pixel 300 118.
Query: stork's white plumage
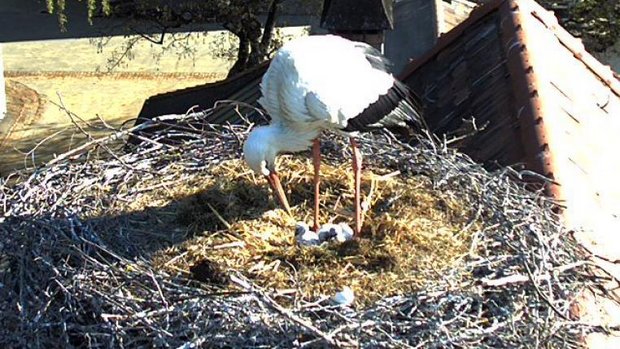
pixel 321 83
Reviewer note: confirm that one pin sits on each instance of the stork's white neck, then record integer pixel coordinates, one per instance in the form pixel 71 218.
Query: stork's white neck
pixel 266 142
pixel 287 139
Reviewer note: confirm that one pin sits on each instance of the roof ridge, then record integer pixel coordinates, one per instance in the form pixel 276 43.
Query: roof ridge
pixel 526 89
pixel 238 76
pixel 576 47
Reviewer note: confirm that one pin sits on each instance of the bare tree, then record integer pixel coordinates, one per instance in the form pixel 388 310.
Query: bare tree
pixel 597 22
pixel 242 18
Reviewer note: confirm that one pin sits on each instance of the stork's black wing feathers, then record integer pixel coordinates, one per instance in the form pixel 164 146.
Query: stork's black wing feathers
pixel 399 107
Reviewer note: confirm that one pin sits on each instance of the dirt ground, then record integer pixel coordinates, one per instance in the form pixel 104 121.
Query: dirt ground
pixel 115 98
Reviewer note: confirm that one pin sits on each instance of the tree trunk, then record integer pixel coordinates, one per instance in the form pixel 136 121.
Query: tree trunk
pixel 269 25
pixel 253 42
pixel 256 56
pixel 253 26
pixel 260 46
pixel 243 56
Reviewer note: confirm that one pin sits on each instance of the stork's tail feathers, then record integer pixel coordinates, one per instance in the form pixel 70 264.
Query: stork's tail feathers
pixel 398 108
pixel 409 110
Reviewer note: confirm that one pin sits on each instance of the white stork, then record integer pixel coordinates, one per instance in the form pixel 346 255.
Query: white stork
pixel 325 82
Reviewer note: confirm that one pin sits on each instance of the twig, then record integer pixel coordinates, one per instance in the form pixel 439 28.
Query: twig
pixel 219 216
pixel 234 244
pixel 111 138
pixel 250 287
pixel 507 280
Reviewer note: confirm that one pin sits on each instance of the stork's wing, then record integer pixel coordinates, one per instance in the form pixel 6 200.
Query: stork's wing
pixel 270 86
pixel 316 107
pixel 398 107
pixel 283 97
pixel 331 82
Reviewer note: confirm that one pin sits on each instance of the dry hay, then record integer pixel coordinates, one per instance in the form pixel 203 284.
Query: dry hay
pixel 101 249
pixel 411 233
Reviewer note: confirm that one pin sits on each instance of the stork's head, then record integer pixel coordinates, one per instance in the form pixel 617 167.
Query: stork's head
pixel 260 150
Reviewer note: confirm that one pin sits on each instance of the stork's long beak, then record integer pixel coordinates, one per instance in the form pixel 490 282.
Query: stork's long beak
pixel 274 182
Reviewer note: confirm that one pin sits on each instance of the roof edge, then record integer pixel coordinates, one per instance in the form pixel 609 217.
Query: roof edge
pixel 238 76
pixel 526 87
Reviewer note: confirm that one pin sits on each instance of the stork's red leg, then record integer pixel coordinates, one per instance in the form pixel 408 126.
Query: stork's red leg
pixel 357 170
pixel 316 159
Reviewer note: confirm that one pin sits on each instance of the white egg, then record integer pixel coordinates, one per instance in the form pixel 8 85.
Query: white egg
pixel 344 297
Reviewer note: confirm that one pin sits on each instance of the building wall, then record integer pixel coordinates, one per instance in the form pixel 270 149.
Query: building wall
pixel 414 33
pixel 301 7
pixel 418 23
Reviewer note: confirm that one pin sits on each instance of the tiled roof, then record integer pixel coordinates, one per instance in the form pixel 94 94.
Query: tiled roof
pixel 546 103
pixel 241 87
pixel 467 75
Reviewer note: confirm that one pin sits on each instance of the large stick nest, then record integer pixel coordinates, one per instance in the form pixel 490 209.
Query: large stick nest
pixel 179 245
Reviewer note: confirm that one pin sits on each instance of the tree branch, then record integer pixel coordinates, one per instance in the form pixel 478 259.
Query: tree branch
pixel 269 25
pixel 150 39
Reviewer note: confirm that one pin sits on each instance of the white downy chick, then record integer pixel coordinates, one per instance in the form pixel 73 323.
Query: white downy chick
pixel 304 236
pixel 340 232
pixel 328 231
pixel 345 233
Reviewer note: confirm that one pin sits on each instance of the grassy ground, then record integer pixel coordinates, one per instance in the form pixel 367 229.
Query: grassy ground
pixel 74 73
